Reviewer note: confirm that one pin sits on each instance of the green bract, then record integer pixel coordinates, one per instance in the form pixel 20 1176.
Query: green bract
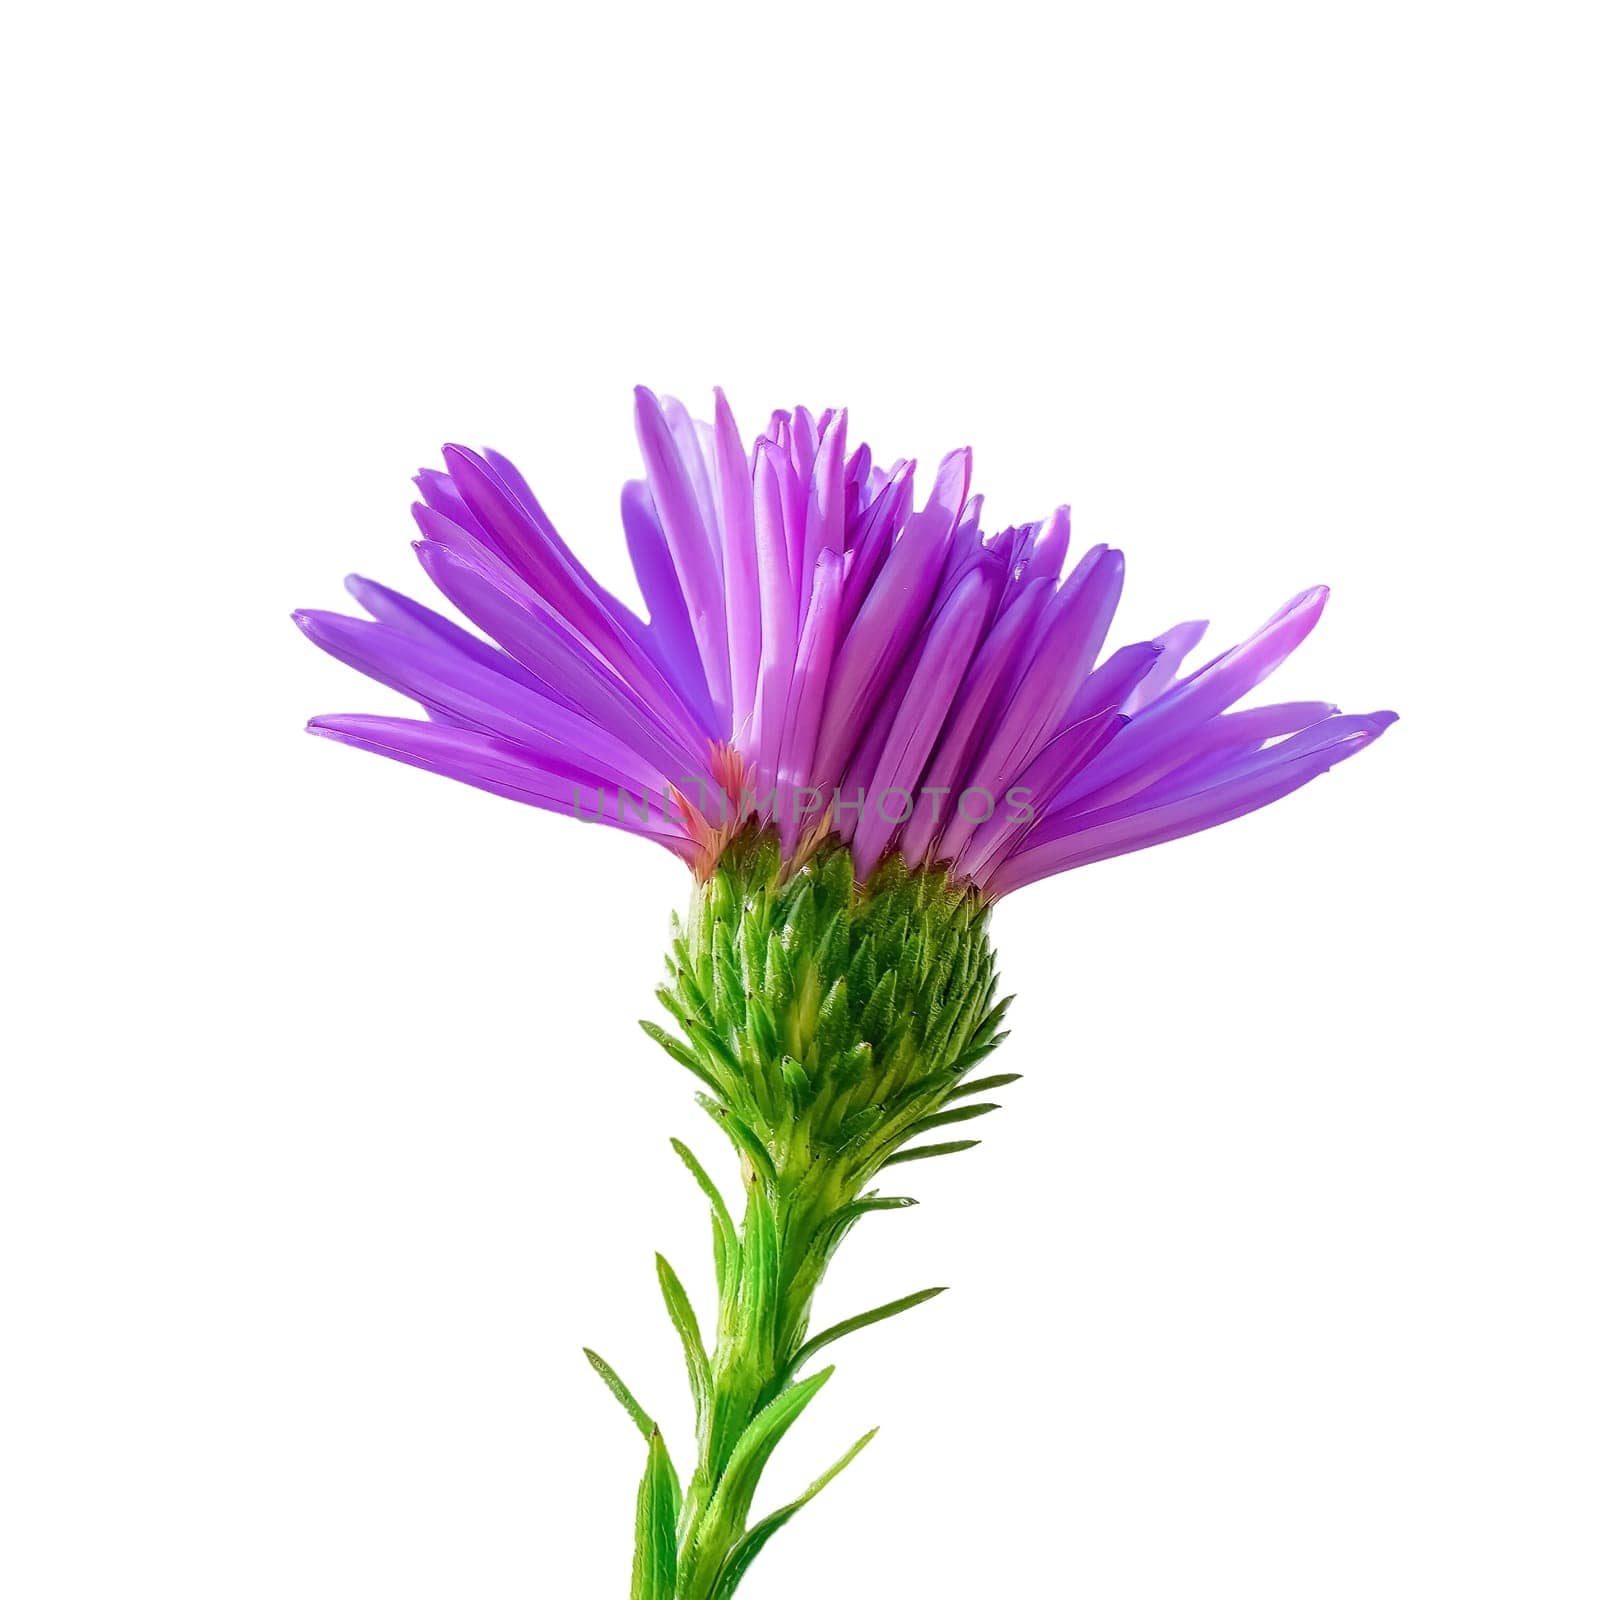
pixel 834 1028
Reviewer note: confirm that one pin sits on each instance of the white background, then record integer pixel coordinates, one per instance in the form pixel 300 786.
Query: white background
pixel 328 1134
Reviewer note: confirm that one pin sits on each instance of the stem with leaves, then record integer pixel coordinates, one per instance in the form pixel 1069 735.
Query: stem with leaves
pixel 833 1026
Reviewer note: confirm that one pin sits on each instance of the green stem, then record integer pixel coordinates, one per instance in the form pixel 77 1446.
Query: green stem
pixel 755 1391
pixel 833 1024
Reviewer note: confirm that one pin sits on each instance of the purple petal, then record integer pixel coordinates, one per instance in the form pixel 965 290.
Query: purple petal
pixel 1070 634
pixel 1225 740
pixel 969 720
pixel 824 515
pixel 1234 745
pixel 1115 681
pixel 889 616
pixel 686 435
pixel 921 714
pixel 506 471
pixel 872 541
pixel 736 507
pixel 461 691
pixel 951 483
pixel 673 637
pixel 540 640
pixel 529 559
pixel 1154 742
pixel 1049 553
pixel 779 636
pixel 803 433
pixel 1175 643
pixel 693 554
pixel 1117 829
pixel 1018 809
pixel 502 768
pixel 406 614
pixel 813 662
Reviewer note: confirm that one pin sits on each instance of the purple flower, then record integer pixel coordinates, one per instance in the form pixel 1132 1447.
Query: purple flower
pixel 822 654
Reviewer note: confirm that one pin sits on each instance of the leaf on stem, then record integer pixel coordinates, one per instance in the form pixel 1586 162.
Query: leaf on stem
pixel 984 1085
pixel 608 1376
pixel 752 1543
pixel 731 1503
pixel 943 1119
pixel 655 1527
pixel 924 1151
pixel 727 1235
pixel 683 1319
pixel 864 1320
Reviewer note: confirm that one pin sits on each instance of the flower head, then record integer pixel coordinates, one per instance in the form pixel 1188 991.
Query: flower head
pixel 822 655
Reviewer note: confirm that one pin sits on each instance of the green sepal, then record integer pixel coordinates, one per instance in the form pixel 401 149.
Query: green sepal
pixel 680 1053
pixel 880 1008
pixel 709 1039
pixel 795 1078
pixel 727 988
pixel 834 1021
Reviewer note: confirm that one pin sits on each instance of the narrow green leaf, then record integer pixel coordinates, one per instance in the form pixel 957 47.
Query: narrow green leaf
pixel 872 1202
pixel 832 1230
pixel 752 1544
pixel 731 1504
pixel 943 1119
pixel 683 1319
pixel 608 1376
pixel 760 1247
pixel 720 1213
pixel 655 1535
pixel 923 1151
pixel 864 1320
pixel 984 1085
